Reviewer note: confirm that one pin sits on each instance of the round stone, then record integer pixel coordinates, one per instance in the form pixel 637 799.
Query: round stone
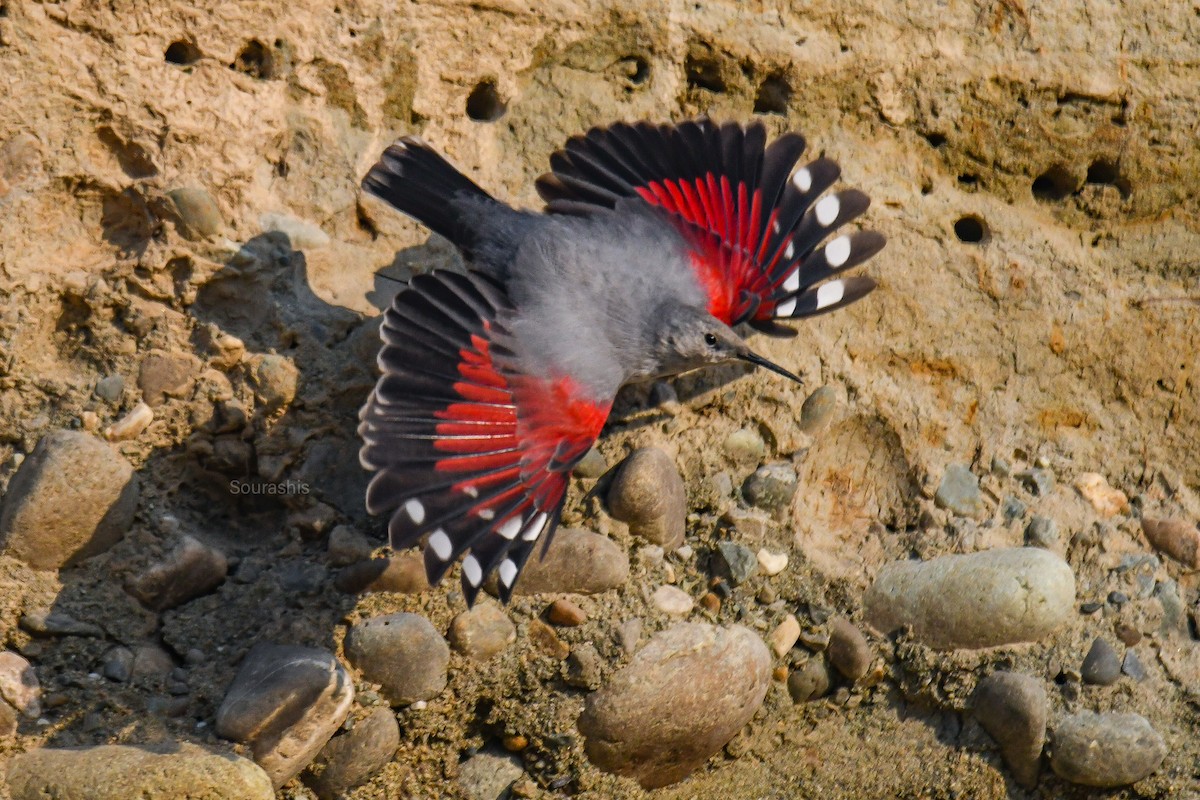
pixel 401 652
pixel 1106 750
pixel 482 632
pixel 1013 709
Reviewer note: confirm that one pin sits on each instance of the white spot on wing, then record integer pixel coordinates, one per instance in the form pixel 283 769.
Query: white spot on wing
pixel 510 528
pixel 534 528
pixel 790 251
pixel 470 491
pixel 415 511
pixel 508 572
pixel 827 210
pixel 786 308
pixel 830 293
pixel 837 251
pixel 793 281
pixel 486 513
pixel 472 570
pixel 440 542
pixel 803 179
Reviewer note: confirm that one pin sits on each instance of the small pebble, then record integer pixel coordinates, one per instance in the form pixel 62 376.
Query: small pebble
pixel 810 682
pixel 583 667
pixel 163 375
pixel 275 378
pixel 1131 665
pixel 848 651
pixel 482 632
pixel 817 641
pixel 131 425
pixel 1012 509
pixel 1128 634
pixel 1041 532
pixel 770 487
pixel 959 493
pixel 1013 709
pixel 543 637
pixel 565 613
pixel 772 563
pixel 736 562
pixel 191 569
pixel 19 686
pixel 1039 482
pixel 745 446
pixel 766 594
pixel 1177 538
pixel 401 652
pixel 1105 750
pixel 629 634
pixel 488 774
pixel 110 388
pixel 673 601
pixel 118 664
pixel 515 743
pixel 198 212
pixel 710 602
pixel 44 622
pixel 818 409
pixel 1102 665
pixel 1117 599
pixel 1107 501
pixel 1090 608
pixel 301 234
pixel 784 637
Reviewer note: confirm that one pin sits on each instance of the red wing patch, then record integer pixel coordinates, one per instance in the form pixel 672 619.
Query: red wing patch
pixel 754 225
pixel 471 452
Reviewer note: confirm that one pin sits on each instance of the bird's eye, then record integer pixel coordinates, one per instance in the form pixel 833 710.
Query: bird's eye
pixel 710 340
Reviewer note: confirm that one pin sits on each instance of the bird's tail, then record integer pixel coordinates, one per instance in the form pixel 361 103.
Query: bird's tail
pixel 412 177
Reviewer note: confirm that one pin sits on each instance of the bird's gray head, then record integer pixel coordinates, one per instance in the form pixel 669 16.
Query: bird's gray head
pixel 688 337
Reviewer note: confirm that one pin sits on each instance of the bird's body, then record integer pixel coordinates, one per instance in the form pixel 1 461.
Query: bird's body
pixel 657 240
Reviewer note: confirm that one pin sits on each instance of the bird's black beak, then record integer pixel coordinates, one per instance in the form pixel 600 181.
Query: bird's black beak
pixel 759 361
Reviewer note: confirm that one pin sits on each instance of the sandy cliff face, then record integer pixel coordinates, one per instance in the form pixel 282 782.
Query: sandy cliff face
pixel 179 209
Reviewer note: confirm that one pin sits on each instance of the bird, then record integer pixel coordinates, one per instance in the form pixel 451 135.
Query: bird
pixel 656 241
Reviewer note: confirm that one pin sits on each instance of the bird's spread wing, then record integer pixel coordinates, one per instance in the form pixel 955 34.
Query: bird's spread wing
pixel 471 452
pixel 754 225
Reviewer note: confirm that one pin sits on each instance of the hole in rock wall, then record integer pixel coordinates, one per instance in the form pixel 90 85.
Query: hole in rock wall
pixel 773 96
pixel 971 229
pixel 1054 185
pixel 484 104
pixel 182 53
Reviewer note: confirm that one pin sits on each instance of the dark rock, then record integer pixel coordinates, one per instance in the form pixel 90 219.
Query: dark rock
pixel 190 570
pixel 401 652
pixel 44 622
pixel 770 487
pixel 285 703
pixel 680 699
pixel 110 388
pixel 810 681
pixel 73 497
pixel 735 562
pixel 347 546
pixel 351 758
pixel 1013 709
pixel 1131 665
pixel 1012 509
pixel 1039 482
pixel 848 650
pixel 1102 665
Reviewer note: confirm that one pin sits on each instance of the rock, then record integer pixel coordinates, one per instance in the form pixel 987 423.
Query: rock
pixel 314 522
pixel 1012 509
pixel 810 682
pixel 44 622
pixel 745 446
pixel 71 498
pixel 848 650
pixel 275 378
pixel 818 409
pixel 401 652
pixel 285 703
pixel 1177 538
pixel 1105 750
pixel 190 570
pixel 403 573
pixel 736 562
pixel 19 686
pixel 583 667
pixel 592 465
pixel 680 699
pixel 1041 532
pixel 772 563
pixel 1037 481
pixel 770 487
pixel 198 211
pixel 629 634
pixel 131 425
pixel 110 388
pixel 301 234
pixel 673 600
pixel 347 546
pixel 118 664
pixel 784 637
pixel 578 562
pixel 488 774
pixel 163 771
pixel 1107 501
pixel 151 664
pixel 985 599
pixel 545 640
pixel 959 493
pixel 565 613
pixel 1013 709
pixel 351 758
pixel 648 494
pixel 482 632
pixel 164 375
pixel 1131 665
pixel 1102 665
